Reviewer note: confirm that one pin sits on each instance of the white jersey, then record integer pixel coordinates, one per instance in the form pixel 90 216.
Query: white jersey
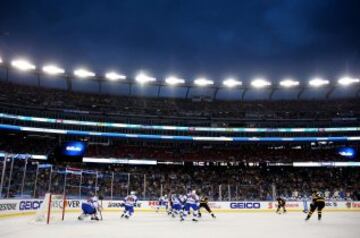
pixel 175 200
pixel 93 201
pixel 163 200
pixel 130 200
pixel 192 198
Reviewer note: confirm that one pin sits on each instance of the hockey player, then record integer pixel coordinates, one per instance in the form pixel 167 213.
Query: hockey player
pixel 204 202
pixel 191 203
pixel 90 207
pixel 176 205
pixel 163 202
pixel 318 202
pixel 281 204
pixel 129 203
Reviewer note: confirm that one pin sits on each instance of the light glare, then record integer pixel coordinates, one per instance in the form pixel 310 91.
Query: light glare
pixel 143 78
pixel 23 65
pixel 53 69
pixel 260 83
pixel 231 83
pixel 203 82
pixel 345 81
pixel 289 83
pixel 84 73
pixel 318 82
pixel 172 80
pixel 113 76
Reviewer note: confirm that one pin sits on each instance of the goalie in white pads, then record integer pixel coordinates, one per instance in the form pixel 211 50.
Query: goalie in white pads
pixel 90 207
pixel 129 204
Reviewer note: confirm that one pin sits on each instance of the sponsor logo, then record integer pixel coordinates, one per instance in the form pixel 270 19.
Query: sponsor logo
pixel 270 205
pixel 291 205
pixel 245 205
pixel 29 205
pixel 355 204
pixel 331 204
pixel 7 206
pixel 153 203
pixel 115 204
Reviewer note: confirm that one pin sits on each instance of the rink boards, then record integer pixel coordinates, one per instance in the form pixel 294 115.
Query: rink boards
pixel 14 207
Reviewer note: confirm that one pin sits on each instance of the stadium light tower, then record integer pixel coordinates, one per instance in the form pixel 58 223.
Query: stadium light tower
pixel 23 65
pixel 203 82
pixel 260 83
pixel 83 73
pixel 318 82
pixel 113 76
pixel 231 83
pixel 346 81
pixel 142 78
pixel 53 69
pixel 289 83
pixel 172 80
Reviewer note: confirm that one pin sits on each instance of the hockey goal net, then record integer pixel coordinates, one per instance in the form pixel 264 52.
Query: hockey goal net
pixel 52 209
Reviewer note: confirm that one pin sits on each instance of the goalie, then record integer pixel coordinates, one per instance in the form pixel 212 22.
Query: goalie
pixel 91 208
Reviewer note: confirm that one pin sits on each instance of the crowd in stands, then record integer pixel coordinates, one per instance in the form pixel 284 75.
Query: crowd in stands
pixel 43 99
pixel 218 183
pixel 168 151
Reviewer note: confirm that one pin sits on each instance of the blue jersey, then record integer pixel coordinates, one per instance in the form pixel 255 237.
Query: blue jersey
pixel 163 200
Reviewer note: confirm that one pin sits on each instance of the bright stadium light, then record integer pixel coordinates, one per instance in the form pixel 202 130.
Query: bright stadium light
pixel 143 78
pixel 260 83
pixel 53 69
pixel 83 73
pixel 1 60
pixel 23 65
pixel 202 82
pixel 318 82
pixel 230 83
pixel 172 80
pixel 289 83
pixel 113 76
pixel 345 81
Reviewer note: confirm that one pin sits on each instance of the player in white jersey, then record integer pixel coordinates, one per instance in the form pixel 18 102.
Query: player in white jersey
pixel 90 207
pixel 176 204
pixel 192 202
pixel 129 204
pixel 163 202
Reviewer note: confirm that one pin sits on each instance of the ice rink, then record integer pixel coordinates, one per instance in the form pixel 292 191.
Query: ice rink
pixel 160 225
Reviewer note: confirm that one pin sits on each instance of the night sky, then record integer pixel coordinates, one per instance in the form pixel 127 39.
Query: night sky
pixel 278 38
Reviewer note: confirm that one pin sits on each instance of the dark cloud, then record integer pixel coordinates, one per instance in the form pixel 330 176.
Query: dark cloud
pixel 244 38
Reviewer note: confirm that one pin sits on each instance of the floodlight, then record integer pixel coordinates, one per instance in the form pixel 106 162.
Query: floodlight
pixel 23 65
pixel 1 60
pixel 143 78
pixel 53 69
pixel 113 76
pixel 289 83
pixel 260 83
pixel 203 82
pixel 172 80
pixel 83 73
pixel 318 82
pixel 345 81
pixel 230 83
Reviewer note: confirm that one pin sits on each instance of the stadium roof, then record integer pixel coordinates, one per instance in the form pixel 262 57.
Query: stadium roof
pixel 143 84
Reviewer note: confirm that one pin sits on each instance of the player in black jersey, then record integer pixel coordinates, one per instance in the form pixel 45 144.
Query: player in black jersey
pixel 281 204
pixel 204 202
pixel 318 202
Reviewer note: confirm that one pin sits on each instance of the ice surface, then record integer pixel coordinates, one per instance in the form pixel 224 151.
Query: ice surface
pixel 160 225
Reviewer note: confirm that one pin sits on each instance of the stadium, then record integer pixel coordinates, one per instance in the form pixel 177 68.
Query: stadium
pixel 258 154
